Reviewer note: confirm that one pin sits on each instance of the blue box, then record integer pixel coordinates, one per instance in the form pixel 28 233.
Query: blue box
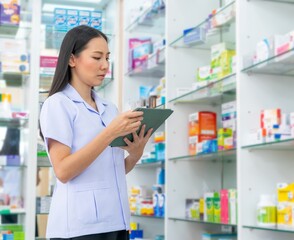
pixel 60 19
pixel 96 20
pixel 136 234
pixel 84 17
pixel 194 35
pixel 72 18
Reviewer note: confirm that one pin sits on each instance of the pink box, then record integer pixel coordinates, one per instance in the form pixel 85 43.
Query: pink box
pixel 224 206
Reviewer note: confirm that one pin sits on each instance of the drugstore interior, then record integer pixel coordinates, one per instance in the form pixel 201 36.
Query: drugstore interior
pixel 221 167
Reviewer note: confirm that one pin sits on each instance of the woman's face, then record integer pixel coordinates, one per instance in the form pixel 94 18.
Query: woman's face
pixel 91 65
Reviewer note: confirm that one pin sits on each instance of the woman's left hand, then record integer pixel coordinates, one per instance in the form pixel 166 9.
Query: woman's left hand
pixel 136 148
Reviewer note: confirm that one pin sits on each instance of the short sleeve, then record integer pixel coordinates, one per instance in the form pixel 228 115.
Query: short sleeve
pixel 57 118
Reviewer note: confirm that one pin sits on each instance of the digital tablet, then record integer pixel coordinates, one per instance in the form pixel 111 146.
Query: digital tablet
pixel 152 118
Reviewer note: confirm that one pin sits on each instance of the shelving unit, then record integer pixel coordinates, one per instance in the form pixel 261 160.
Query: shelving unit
pixel 214 93
pixel 224 33
pixel 281 65
pixel 146 216
pixel 148 23
pixel 201 222
pixel 189 177
pixel 18 176
pixel 262 166
pixel 227 155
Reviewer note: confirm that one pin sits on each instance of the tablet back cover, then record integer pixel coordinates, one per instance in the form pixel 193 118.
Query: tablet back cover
pixel 152 118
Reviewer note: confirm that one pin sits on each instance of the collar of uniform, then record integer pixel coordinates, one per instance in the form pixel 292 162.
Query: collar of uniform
pixel 100 102
pixel 72 93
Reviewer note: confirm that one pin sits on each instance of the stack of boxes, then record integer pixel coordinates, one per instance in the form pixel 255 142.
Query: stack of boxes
pixel 270 47
pixel 223 63
pixel 227 134
pixel 65 19
pixel 216 21
pixel 13 56
pixel 274 126
pixel 202 132
pixel 216 207
pixel 285 208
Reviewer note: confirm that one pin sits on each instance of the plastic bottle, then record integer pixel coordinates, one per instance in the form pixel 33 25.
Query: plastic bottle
pixel 266 211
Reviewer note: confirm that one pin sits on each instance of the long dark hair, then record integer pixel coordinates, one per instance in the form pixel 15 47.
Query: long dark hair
pixel 74 43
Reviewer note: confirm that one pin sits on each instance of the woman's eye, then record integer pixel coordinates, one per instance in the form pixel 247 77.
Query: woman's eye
pixel 108 59
pixel 97 58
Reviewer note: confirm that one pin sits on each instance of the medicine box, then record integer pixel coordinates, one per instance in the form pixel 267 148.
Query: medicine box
pixel 202 123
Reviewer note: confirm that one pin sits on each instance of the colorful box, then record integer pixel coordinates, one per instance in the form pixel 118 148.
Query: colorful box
pixel 233 206
pixel 202 123
pixel 285 212
pixel 96 20
pixel 224 194
pixel 84 17
pixel 223 133
pixel 285 192
pixel 72 18
pixel 9 12
pixel 60 19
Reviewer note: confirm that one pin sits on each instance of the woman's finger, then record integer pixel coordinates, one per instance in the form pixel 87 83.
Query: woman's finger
pixel 133 127
pixel 148 135
pixel 135 136
pixel 141 134
pixel 127 141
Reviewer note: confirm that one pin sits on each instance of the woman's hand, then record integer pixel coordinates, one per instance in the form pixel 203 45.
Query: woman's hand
pixel 125 123
pixel 136 148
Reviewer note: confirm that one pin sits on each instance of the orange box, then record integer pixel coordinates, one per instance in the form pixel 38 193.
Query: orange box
pixel 202 123
pixel 159 137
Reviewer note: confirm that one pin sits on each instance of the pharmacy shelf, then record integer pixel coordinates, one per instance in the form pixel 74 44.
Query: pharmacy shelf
pixel 142 71
pixel 281 65
pixel 13 122
pixel 214 93
pixel 226 155
pixel 222 33
pixel 149 21
pixel 154 164
pixel 274 229
pixel 281 145
pixel 199 221
pixel 146 216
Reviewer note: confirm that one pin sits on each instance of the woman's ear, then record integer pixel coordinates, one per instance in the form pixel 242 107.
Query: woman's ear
pixel 71 62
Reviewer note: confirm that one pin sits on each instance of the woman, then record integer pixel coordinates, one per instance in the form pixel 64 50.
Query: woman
pixel 90 197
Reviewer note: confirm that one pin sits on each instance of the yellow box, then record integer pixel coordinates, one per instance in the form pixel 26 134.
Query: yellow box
pixel 222 134
pixel 285 192
pixel 285 214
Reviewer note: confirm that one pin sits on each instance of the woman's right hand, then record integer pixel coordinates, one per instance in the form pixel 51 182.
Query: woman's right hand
pixel 125 123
